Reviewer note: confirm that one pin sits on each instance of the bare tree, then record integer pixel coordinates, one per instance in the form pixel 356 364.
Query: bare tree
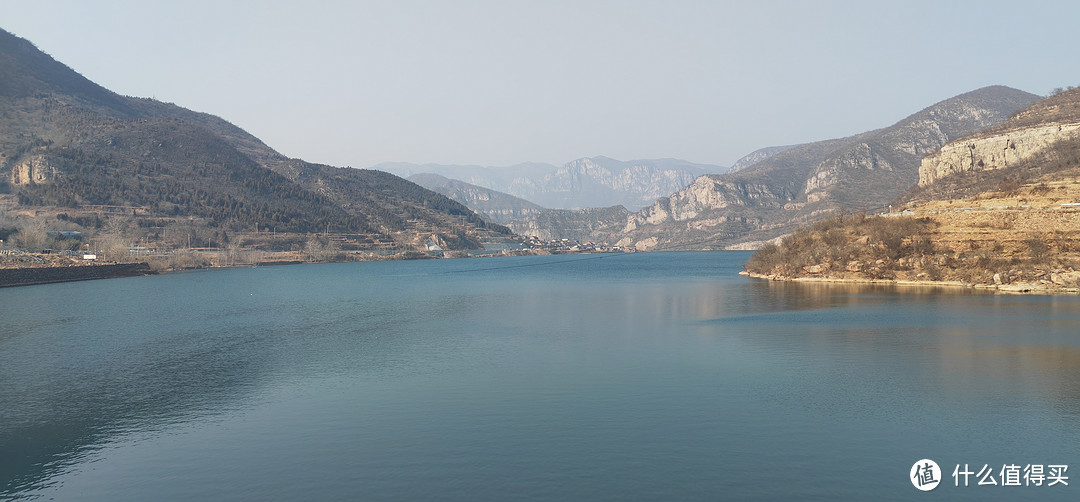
pixel 321 248
pixel 33 236
pixel 112 242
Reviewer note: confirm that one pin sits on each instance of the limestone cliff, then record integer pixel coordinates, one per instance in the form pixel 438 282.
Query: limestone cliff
pixel 711 209
pixel 32 170
pixel 996 209
pixel 599 225
pixel 707 194
pixel 796 185
pixel 997 151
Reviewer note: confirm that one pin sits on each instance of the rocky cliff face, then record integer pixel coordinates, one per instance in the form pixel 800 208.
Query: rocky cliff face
pixel 996 151
pixel 32 170
pixel 800 184
pixel 712 209
pixel 705 195
pixel 599 225
pixel 859 158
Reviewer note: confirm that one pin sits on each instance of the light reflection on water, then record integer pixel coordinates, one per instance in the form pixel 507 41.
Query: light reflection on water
pixel 625 377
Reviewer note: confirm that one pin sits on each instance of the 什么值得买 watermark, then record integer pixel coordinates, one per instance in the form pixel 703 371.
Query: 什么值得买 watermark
pixel 926 475
pixel 1014 475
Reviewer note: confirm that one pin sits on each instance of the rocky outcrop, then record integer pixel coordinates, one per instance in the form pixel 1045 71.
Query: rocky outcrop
pixel 788 187
pixel 830 172
pixel 711 210
pixel 706 195
pixel 32 170
pixel 599 225
pixel 997 151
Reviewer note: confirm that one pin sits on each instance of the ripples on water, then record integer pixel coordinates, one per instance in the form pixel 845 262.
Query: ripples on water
pixel 652 376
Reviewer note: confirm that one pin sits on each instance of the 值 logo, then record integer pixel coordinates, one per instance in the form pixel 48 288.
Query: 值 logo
pixel 925 475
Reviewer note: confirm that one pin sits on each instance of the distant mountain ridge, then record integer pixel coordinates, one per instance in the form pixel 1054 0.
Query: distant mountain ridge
pixel 772 190
pixel 758 156
pixel 807 182
pixel 582 183
pixel 66 141
pixel 496 207
pixel 598 225
pixel 994 210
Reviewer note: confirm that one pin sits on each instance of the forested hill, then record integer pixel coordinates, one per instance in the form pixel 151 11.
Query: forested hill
pixel 66 141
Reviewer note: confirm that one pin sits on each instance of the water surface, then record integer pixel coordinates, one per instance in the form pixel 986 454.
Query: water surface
pixel 594 377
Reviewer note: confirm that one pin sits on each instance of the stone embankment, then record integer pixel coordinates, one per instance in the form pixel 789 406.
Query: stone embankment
pixel 46 275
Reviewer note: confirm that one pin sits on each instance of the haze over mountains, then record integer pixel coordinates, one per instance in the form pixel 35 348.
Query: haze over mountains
pixel 495 206
pixel 67 142
pixel 806 182
pixel 767 193
pixel 582 183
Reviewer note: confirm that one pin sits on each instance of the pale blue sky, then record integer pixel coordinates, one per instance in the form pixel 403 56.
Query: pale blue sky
pixel 355 83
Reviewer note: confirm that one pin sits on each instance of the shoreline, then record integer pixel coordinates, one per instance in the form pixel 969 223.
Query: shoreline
pixel 33 276
pixel 1018 288
pixel 12 277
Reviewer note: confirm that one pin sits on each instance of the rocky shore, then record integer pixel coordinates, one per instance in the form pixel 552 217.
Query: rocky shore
pixel 1044 287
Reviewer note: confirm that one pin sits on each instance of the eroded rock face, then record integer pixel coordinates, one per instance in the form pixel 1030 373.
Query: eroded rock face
pixel 773 190
pixel 994 152
pixel 828 173
pixel 704 195
pixel 33 170
pixel 594 224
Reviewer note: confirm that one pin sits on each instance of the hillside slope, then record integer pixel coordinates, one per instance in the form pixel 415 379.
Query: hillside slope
pixel 1007 219
pixel 494 206
pixel 67 142
pixel 805 183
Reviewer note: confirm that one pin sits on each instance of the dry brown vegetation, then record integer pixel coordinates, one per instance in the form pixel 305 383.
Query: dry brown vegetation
pixel 1015 228
pixel 1020 235
pixel 867 247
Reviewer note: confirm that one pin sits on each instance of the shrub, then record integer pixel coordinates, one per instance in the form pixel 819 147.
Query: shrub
pixel 1038 248
pixel 837 240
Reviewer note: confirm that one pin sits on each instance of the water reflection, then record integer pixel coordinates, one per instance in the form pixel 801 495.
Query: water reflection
pixel 970 345
pixel 85 364
pixel 67 386
pixel 584 351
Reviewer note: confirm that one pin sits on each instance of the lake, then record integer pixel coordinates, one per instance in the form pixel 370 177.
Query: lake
pixel 659 376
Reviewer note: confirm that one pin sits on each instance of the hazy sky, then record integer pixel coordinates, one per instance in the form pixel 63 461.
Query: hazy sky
pixel 355 83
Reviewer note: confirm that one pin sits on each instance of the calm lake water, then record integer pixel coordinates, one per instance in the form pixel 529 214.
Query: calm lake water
pixel 662 376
